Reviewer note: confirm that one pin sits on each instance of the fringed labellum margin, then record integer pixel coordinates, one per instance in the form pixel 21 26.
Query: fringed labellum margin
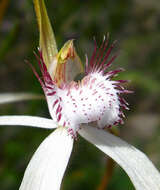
pixel 96 98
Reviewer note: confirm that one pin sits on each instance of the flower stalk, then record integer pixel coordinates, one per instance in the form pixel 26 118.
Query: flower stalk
pixel 109 168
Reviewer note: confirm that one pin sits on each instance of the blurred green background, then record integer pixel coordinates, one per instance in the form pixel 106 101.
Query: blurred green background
pixel 136 26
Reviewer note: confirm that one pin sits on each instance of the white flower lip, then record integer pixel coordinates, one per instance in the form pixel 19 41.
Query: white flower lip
pixel 95 98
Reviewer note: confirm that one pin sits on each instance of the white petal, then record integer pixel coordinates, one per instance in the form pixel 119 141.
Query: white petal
pixel 139 168
pixel 14 97
pixel 46 168
pixel 31 121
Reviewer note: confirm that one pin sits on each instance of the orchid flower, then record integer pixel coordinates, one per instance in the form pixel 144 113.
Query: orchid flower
pixel 86 107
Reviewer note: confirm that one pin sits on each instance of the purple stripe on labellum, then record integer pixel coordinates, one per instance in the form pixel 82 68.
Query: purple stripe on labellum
pixel 123 101
pixel 51 93
pixel 37 76
pixel 72 133
pixel 94 54
pixel 59 117
pixel 47 83
pixel 119 87
pixel 122 114
pixel 110 62
pixel 39 63
pixel 121 81
pixel 42 62
pixel 55 102
pixel 49 87
pixel 108 53
pixel 99 58
pixel 124 106
pixel 100 53
pixel 125 91
pixel 103 50
pixel 58 109
pixel 112 73
pixel 46 76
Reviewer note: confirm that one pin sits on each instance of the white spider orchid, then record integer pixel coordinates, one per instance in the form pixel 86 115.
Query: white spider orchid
pixel 85 107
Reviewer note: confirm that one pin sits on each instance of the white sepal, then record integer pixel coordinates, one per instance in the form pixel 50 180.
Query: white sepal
pixel 31 121
pixel 139 168
pixel 15 97
pixel 47 166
